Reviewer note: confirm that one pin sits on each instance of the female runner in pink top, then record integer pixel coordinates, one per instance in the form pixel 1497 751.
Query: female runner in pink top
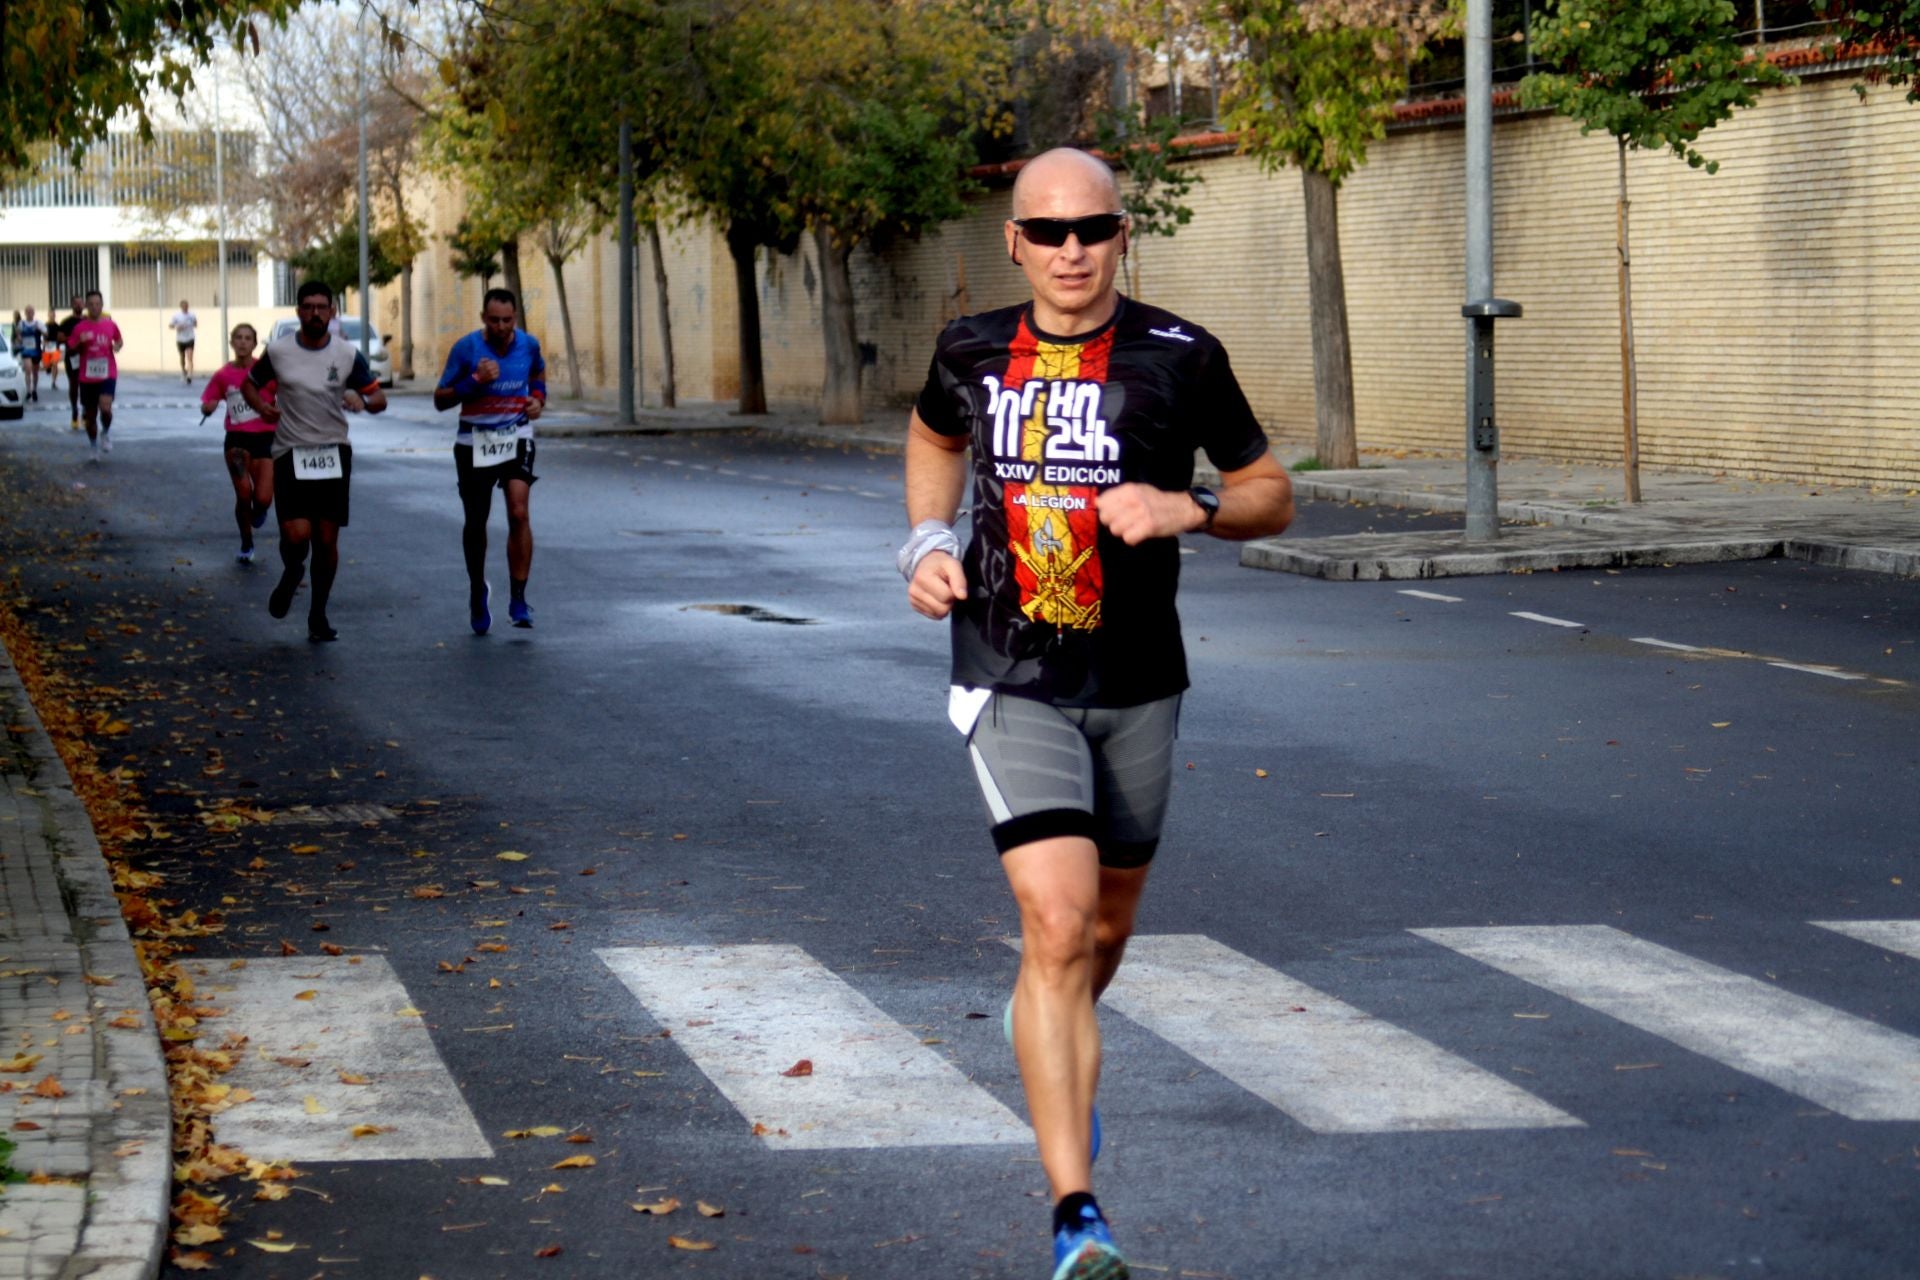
pixel 249 444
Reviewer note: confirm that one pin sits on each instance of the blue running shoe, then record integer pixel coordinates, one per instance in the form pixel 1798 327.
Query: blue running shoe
pixel 1006 1027
pixel 521 612
pixel 1087 1251
pixel 482 617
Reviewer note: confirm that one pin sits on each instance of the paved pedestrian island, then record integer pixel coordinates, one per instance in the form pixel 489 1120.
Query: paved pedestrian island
pixel 809 1063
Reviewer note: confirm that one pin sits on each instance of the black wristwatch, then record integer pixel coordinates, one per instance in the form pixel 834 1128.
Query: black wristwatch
pixel 1209 502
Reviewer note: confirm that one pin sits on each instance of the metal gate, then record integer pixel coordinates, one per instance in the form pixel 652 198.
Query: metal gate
pixel 71 271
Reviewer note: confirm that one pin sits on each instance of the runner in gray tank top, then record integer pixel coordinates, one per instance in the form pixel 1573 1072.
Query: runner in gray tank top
pixel 321 378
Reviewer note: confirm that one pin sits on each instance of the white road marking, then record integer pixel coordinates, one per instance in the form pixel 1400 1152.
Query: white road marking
pixel 1330 1066
pixel 1667 644
pixel 1860 1069
pixel 1541 617
pixel 1431 595
pixel 1831 673
pixel 748 1014
pixel 355 1023
pixel 1895 935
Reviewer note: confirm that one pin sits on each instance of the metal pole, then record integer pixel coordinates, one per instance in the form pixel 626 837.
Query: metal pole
pixel 366 303
pixel 626 270
pixel 1483 441
pixel 220 200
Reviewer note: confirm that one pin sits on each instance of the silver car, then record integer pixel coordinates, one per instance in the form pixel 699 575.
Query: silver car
pixel 379 360
pixel 13 383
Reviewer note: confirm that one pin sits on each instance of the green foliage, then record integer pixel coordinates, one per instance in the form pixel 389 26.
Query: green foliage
pixel 1315 91
pixel 335 261
pixel 1894 25
pixel 1655 74
pixel 1156 187
pixel 474 254
pixel 69 67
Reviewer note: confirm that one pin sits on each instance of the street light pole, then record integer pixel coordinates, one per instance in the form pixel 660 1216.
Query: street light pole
pixel 1482 308
pixel 626 270
pixel 220 202
pixel 366 304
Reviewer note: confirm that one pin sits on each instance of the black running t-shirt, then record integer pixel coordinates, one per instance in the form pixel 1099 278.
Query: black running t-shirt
pixel 1057 608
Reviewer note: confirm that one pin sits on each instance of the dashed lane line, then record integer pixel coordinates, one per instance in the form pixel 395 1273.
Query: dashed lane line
pixel 1431 595
pixel 1894 935
pixel 1541 617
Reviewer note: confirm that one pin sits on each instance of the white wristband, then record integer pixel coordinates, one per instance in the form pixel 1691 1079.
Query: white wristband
pixel 927 537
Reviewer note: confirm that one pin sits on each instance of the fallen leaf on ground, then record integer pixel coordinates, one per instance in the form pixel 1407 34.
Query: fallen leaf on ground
pixel 348 1077
pixel 804 1067
pixel 538 1131
pixel 575 1162
pixel 692 1246
pixel 710 1210
pixel 511 855
pixel 659 1208
pixel 368 1130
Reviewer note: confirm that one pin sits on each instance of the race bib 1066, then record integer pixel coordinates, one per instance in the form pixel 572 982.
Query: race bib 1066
pixel 317 462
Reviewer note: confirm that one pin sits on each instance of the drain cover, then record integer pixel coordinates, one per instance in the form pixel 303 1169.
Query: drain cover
pixel 753 613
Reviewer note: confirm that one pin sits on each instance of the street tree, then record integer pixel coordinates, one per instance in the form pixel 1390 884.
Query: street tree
pixel 335 261
pixel 883 101
pixel 1316 83
pixel 69 68
pixel 1157 185
pixel 1655 74
pixel 1889 30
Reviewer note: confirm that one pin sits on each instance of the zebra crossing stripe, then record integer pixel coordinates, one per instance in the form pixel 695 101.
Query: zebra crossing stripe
pixel 1895 935
pixel 357 1023
pixel 1849 1065
pixel 747 1015
pixel 1330 1066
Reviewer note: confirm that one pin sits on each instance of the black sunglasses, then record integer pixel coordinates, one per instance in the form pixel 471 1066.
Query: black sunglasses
pixel 1051 233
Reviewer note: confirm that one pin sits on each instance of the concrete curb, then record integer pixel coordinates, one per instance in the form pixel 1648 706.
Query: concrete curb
pixel 129 1142
pixel 1305 558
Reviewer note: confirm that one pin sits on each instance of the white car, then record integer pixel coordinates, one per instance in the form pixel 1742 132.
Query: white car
pixel 13 383
pixel 379 361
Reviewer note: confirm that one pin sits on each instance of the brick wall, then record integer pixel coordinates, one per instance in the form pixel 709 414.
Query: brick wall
pixel 1777 303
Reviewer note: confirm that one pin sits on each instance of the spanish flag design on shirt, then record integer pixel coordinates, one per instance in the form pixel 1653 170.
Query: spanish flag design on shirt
pixel 1049 411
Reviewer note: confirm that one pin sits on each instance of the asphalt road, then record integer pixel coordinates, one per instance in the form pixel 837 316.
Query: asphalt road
pixel 724 744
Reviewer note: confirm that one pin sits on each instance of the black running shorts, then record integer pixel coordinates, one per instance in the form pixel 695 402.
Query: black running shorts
pixel 312 499
pixel 469 480
pixel 257 444
pixel 91 393
pixel 1102 773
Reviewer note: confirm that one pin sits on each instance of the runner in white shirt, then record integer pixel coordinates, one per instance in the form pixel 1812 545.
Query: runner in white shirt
pixel 184 325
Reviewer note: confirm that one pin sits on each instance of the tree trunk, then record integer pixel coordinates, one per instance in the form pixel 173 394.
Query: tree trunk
pixel 753 381
pixel 1334 443
pixel 406 321
pixel 510 268
pixel 840 397
pixel 574 391
pixel 668 396
pixel 1629 388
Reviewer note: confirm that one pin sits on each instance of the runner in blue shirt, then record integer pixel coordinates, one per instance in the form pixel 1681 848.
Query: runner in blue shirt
pixel 29 338
pixel 498 379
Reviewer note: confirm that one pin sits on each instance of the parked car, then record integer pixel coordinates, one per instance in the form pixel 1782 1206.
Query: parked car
pixel 13 383
pixel 379 360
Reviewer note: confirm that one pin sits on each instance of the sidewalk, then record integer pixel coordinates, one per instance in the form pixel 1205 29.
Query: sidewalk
pixel 67 968
pixel 1575 517
pixel 1555 515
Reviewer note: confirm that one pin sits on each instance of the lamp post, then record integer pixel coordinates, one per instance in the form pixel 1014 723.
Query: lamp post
pixel 366 304
pixel 1482 309
pixel 220 202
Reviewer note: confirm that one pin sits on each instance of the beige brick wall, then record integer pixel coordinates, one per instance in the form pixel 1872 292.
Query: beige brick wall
pixel 1777 303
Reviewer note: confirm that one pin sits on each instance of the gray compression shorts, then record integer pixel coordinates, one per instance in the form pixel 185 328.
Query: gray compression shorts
pixel 1101 773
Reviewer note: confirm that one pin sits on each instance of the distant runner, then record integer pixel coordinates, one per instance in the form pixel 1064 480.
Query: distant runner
pixel 249 442
pixel 498 378
pixel 72 356
pixel 97 340
pixel 29 341
pixel 321 379
pixel 185 325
